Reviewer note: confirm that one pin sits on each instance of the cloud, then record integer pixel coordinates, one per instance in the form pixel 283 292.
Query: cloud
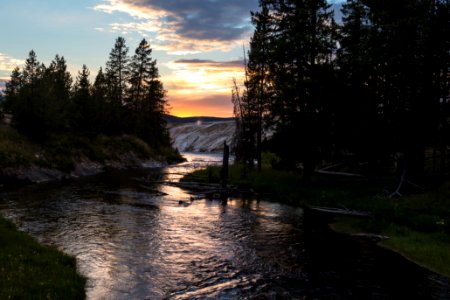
pixel 202 76
pixel 7 63
pixel 182 27
pixel 198 86
pixel 235 64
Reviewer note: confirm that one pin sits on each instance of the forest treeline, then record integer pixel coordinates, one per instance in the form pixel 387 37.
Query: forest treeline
pixel 370 90
pixel 127 97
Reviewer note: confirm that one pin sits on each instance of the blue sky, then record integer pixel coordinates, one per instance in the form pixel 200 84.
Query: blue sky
pixel 198 43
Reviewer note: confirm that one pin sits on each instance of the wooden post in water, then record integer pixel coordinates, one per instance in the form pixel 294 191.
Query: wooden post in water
pixel 224 170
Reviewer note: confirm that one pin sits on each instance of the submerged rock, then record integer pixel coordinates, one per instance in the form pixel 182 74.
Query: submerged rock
pixel 33 174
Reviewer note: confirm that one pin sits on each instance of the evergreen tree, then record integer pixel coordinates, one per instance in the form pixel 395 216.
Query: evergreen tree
pixel 147 97
pixel 258 83
pixel 117 71
pixel 141 67
pixel 438 65
pixel 52 100
pixel 84 110
pixel 43 101
pixel 32 69
pixel 399 47
pixel 301 69
pixel 357 129
pixel 100 90
pixel 117 77
pixel 82 88
pixel 12 90
pixel 26 109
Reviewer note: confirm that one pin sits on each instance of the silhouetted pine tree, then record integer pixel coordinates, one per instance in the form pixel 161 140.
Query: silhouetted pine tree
pixel 55 94
pixel 438 88
pixel 147 101
pixel 141 68
pixel 356 129
pixel 258 94
pixel 12 90
pixel 42 103
pixel 302 70
pixel 84 109
pixel 24 106
pixel 100 92
pixel 117 75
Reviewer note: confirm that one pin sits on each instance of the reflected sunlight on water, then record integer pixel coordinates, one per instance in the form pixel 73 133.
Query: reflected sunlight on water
pixel 133 240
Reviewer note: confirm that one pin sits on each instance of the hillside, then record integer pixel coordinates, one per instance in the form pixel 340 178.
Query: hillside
pixel 70 155
pixel 202 136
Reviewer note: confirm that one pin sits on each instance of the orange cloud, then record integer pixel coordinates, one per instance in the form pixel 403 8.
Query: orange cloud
pixel 185 27
pixel 202 77
pixel 202 87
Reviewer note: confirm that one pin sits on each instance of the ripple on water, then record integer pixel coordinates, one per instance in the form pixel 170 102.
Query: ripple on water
pixel 133 240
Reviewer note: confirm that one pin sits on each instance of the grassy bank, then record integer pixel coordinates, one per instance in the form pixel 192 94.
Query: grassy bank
pixel 428 249
pixel 62 151
pixel 31 271
pixel 418 225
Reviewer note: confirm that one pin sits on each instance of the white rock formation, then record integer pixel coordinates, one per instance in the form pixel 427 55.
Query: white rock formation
pixel 202 137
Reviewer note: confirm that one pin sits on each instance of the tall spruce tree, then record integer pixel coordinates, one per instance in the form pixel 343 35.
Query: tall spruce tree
pixel 12 89
pixel 302 69
pixel 146 100
pixel 399 39
pixel 54 96
pixel 26 108
pixel 100 92
pixel 117 74
pixel 258 84
pixel 438 63
pixel 356 126
pixel 141 68
pixel 84 110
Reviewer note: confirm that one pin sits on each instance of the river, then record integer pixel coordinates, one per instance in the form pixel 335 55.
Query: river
pixel 133 240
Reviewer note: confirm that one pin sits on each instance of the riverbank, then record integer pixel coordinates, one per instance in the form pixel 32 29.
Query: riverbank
pixel 70 156
pixel 29 270
pixel 418 225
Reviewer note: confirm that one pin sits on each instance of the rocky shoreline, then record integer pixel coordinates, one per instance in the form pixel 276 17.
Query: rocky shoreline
pixel 82 168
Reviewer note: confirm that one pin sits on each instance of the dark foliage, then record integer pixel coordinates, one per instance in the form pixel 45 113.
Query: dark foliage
pixel 372 91
pixel 128 98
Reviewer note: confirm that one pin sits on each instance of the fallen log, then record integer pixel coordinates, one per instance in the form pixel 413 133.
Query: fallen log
pixel 340 211
pixel 323 171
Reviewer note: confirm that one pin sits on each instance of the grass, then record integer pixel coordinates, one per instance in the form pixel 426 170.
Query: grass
pixel 32 271
pixel 61 151
pixel 418 224
pixel 428 249
pixel 15 149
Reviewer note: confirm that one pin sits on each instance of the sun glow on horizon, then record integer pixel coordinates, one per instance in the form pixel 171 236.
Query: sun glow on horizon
pixel 191 106
pixel 202 87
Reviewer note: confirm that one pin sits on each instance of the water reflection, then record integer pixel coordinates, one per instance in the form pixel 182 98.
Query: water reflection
pixel 133 240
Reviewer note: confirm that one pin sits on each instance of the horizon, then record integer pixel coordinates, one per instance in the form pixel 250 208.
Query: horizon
pixel 199 48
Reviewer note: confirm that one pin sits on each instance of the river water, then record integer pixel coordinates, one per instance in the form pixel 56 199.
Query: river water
pixel 133 240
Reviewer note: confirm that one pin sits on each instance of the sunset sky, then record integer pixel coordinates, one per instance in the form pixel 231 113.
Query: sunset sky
pixel 197 43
